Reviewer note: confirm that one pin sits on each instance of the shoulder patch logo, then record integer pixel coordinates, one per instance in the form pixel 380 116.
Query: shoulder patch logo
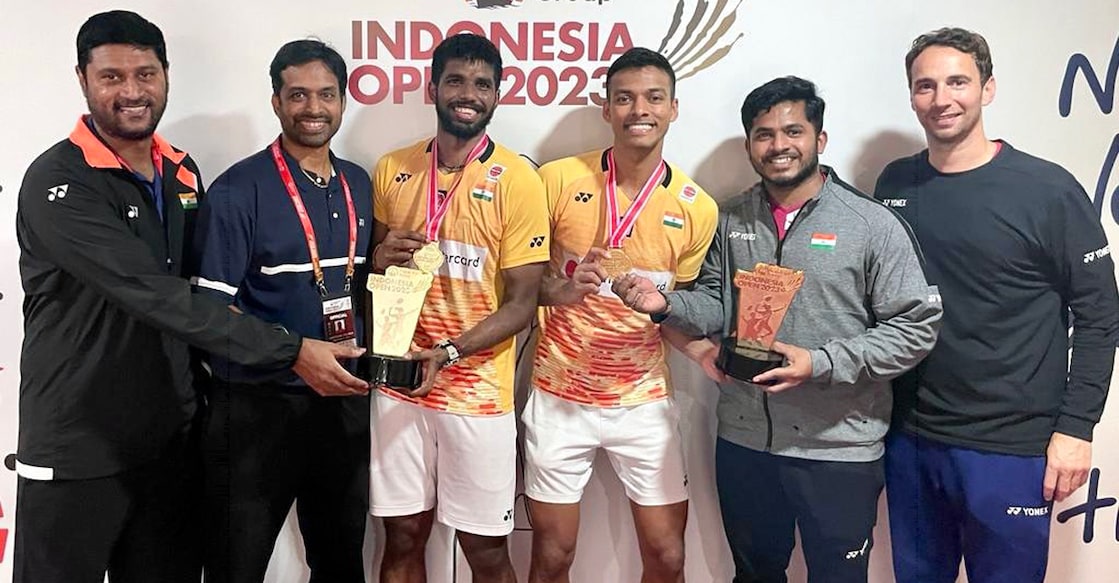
pixel 689 193
pixel 58 192
pixel 133 212
pixel 495 172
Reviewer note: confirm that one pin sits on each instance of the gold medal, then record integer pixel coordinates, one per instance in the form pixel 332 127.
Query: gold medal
pixel 428 258
pixel 616 264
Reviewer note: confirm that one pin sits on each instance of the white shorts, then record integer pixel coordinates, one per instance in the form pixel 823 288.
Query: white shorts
pixel 642 442
pixel 419 455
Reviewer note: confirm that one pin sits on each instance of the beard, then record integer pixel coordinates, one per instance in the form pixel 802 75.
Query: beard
pixel 803 174
pixel 112 123
pixel 458 129
pixel 294 132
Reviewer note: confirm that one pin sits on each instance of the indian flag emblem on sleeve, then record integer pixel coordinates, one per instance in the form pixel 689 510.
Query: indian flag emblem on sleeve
pixel 482 194
pixel 674 220
pixel 824 241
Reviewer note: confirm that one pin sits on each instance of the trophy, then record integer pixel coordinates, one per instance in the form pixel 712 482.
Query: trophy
pixel 397 298
pixel 764 296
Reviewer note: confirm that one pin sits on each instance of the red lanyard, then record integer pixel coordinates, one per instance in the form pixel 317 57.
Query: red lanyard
pixel 308 228
pixel 437 209
pixel 617 226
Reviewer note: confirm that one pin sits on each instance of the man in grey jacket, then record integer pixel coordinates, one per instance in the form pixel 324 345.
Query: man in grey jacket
pixel 802 444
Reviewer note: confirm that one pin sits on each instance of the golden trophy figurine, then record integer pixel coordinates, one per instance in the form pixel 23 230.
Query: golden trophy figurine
pixel 397 298
pixel 764 297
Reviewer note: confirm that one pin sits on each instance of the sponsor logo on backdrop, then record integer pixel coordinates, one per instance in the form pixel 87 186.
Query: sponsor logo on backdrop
pixel 547 62
pixel 1104 94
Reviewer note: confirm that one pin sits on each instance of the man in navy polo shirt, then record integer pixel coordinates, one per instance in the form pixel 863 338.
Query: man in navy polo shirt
pixel 283 236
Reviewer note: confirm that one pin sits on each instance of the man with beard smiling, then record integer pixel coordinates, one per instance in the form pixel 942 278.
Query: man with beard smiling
pixel 483 208
pixel 801 445
pixel 600 378
pixel 283 235
pixel 107 445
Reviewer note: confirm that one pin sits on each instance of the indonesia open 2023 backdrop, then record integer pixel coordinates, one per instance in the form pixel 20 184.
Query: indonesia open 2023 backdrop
pixel 1055 64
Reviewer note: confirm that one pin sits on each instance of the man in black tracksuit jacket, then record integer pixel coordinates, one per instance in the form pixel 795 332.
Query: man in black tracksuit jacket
pixel 108 470
pixel 997 422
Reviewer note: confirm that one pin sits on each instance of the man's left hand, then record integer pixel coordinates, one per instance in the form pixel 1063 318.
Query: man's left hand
pixel 433 360
pixel 1067 463
pixel 796 371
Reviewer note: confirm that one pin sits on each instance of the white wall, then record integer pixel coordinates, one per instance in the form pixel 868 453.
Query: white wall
pixel 852 49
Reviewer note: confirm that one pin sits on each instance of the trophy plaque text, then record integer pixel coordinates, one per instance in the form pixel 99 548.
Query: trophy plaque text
pixel 764 297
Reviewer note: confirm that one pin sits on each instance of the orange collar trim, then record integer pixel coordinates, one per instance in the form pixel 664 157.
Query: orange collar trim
pixel 98 155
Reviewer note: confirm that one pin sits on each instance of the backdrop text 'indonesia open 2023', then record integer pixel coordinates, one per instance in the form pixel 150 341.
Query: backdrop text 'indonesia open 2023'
pixel 1056 65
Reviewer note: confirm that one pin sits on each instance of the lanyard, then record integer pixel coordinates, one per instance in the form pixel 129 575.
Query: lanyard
pixel 436 209
pixel 617 226
pixel 305 220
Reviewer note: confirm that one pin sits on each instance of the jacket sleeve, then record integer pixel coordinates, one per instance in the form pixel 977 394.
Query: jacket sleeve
pixel 1086 278
pixel 86 237
pixel 906 310
pixel 699 311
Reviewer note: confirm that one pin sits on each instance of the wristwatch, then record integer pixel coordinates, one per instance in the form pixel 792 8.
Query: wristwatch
pixel 453 354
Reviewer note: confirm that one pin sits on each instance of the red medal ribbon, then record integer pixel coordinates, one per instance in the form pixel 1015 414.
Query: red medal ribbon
pixel 305 220
pixel 437 209
pixel 617 226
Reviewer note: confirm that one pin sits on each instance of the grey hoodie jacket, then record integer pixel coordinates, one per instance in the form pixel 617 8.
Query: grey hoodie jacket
pixel 865 312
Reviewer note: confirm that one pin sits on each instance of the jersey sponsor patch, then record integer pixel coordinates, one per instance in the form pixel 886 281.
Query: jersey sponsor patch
pixel 673 220
pixel 688 193
pixel 825 241
pixel 662 279
pixel 495 173
pixel 462 261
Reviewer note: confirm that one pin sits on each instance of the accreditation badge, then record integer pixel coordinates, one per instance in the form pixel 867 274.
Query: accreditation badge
pixel 338 320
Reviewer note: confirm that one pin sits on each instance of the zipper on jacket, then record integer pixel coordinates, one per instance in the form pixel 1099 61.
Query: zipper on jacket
pixel 780 246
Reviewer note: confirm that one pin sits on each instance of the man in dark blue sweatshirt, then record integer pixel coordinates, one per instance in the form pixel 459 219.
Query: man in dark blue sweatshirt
pixel 995 424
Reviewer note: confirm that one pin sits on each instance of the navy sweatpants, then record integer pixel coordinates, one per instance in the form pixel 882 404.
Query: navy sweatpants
pixel 765 497
pixel 948 503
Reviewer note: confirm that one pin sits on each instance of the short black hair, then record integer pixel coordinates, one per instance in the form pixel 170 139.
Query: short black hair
pixel 781 90
pixel 467 47
pixel 960 39
pixel 639 58
pixel 301 52
pixel 119 27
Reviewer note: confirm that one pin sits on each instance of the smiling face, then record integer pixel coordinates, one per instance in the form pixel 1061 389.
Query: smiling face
pixel 783 145
pixel 947 95
pixel 126 90
pixel 465 97
pixel 309 105
pixel 640 107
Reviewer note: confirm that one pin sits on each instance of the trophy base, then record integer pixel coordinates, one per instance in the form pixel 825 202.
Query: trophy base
pixel 390 371
pixel 744 363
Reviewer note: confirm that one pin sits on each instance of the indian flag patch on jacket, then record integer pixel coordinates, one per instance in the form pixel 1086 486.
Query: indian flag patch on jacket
pixel 674 220
pixel 822 241
pixel 189 200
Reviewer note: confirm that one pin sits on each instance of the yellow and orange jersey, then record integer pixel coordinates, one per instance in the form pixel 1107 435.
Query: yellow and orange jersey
pixel 600 352
pixel 497 220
